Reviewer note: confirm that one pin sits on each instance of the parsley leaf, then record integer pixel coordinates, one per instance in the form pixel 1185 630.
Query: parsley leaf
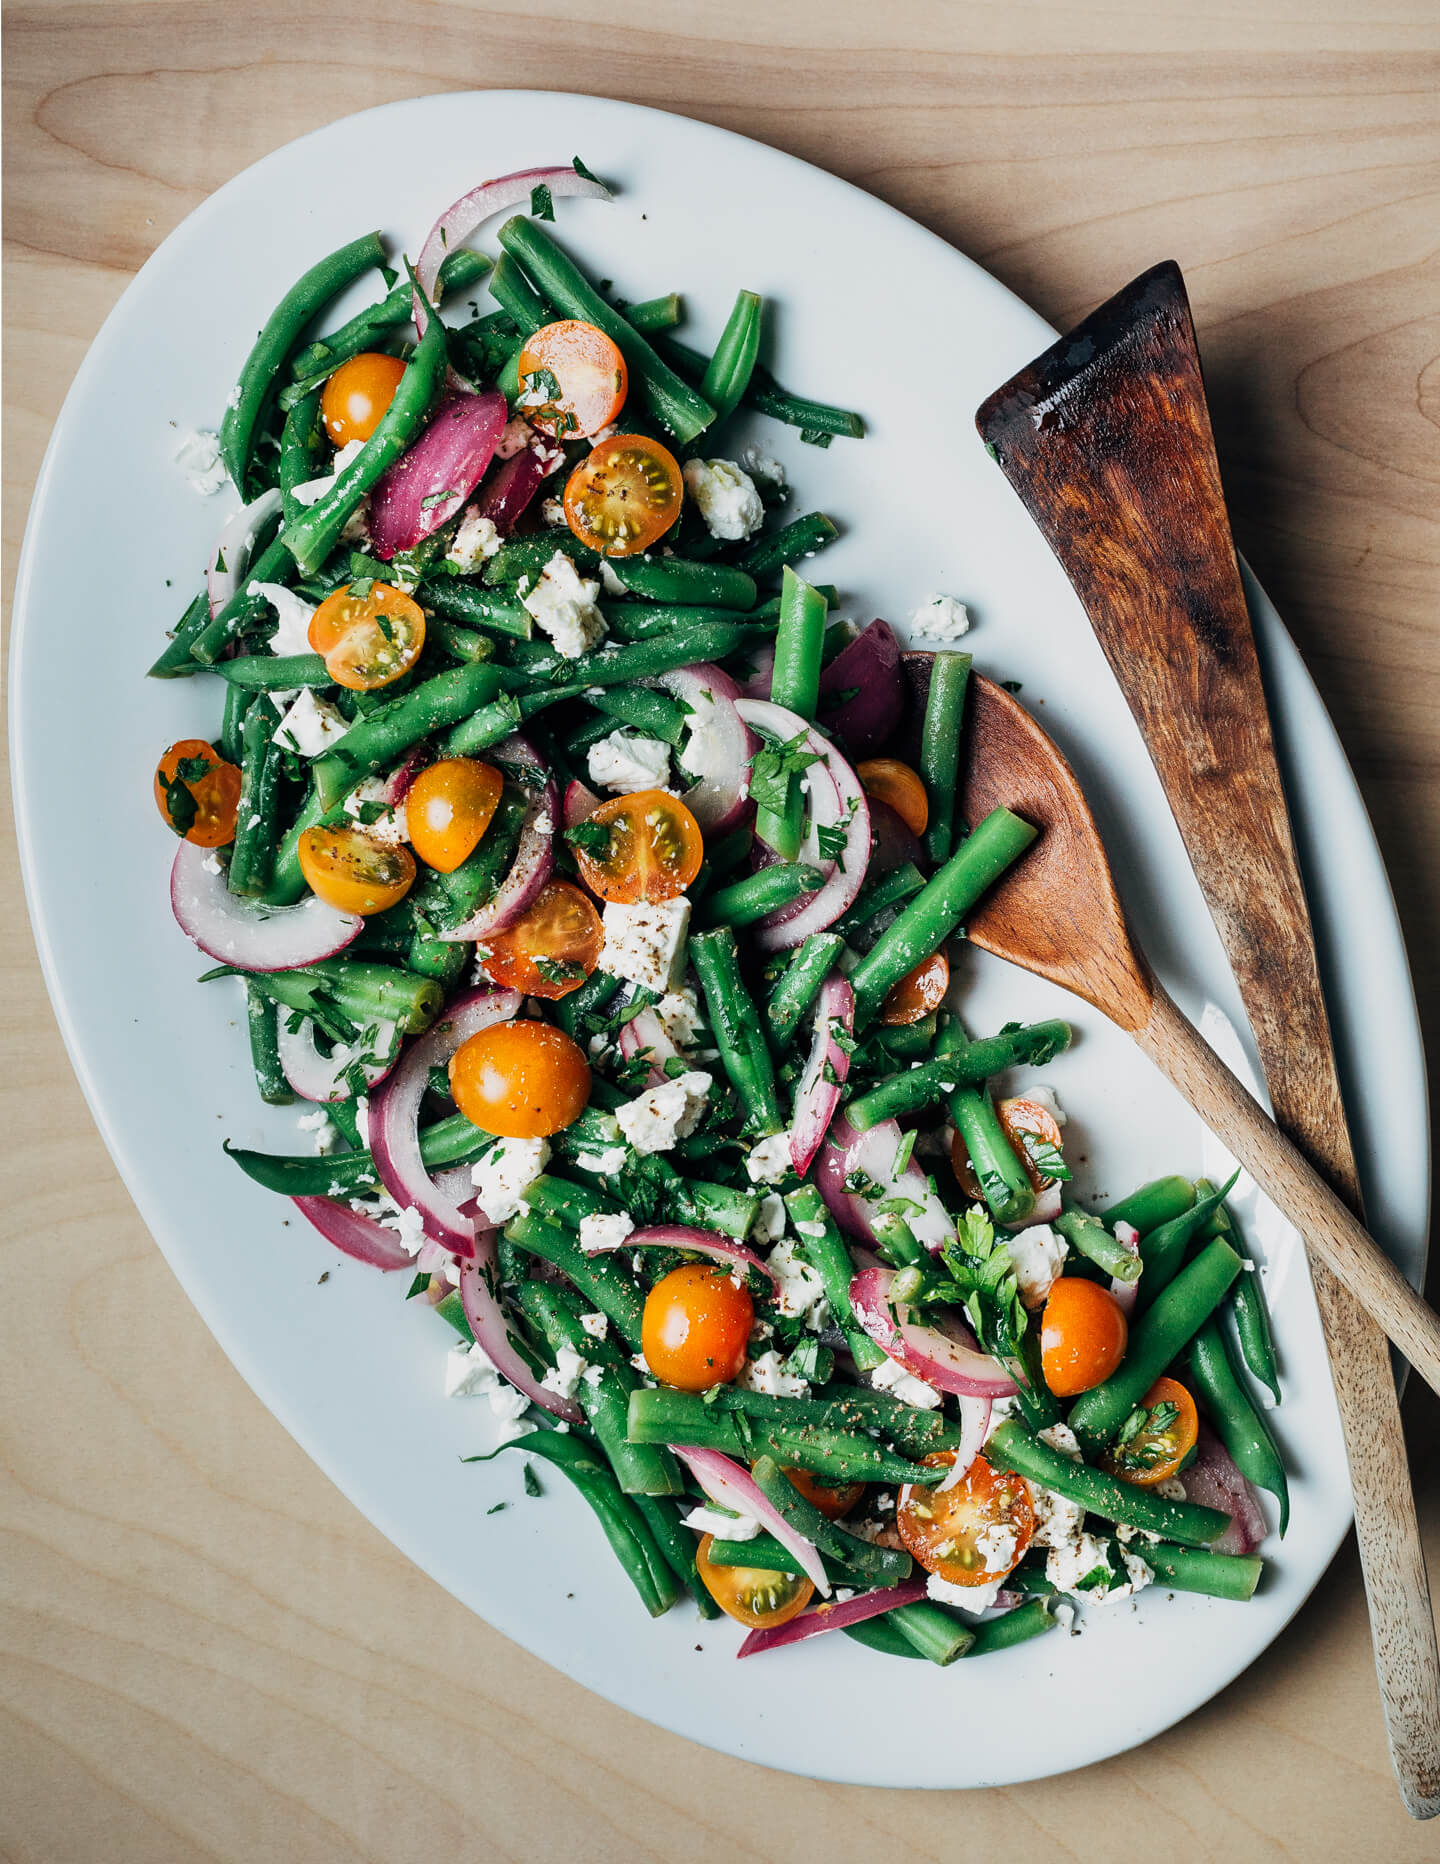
pixel 583 172
pixel 541 204
pixel 832 845
pixel 532 1481
pixel 815 437
pixel 558 970
pixel 437 498
pixel 180 805
pixel 1046 1158
pixel 592 838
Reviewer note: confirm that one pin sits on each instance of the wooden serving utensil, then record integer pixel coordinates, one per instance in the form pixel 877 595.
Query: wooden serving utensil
pixel 1107 439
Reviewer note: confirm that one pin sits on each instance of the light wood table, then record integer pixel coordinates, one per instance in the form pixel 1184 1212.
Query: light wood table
pixel 204 1651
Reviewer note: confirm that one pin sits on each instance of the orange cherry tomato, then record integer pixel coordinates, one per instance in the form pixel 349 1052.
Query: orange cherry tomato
pixel 973 1533
pixel 749 1594
pixel 832 1502
pixel 625 497
pixel 448 808
pixel 696 1326
pixel 353 872
pixel 1020 1117
pixel 551 948
pixel 579 374
pixel 521 1080
pixel 354 399
pixel 1159 1444
pixel 368 641
pixel 645 846
pixel 198 793
pixel 890 781
pixel 918 992
pixel 1083 1335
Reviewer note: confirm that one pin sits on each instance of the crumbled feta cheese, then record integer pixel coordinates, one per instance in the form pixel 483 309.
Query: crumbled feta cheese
pixel 506 1402
pixel 809 1229
pixel 311 491
pixel 1044 1096
pixel 505 1173
pixel 726 497
pixel 475 541
pixel 1037 1255
pixel 212 863
pixel 407 1224
pixel 708 749
pixel 663 1114
pixel 356 530
pixel 970 1598
pixel 593 1376
pixel 768 1374
pixel 605 1230
pixel 723 1526
pixel 604 1164
pixel 469 1369
pixel 765 470
pixel 563 606
pixel 609 581
pixel 595 1325
pixel 310 726
pixel 514 1427
pixel 565 1375
pixel 1172 1488
pixel 1058 1521
pixel 323 1127
pixel 768 1225
pixel 603 433
pixel 941 618
pixel 552 511
pixel 997 1547
pixel 199 458
pixel 388 826
pixel 801 1292
pixel 292 618
pixel 625 762
pixel 679 1015
pixel 1061 1438
pixel 517 435
pixel 770 1161
pixel 893 1378
pixel 645 943
pixel 1066 1567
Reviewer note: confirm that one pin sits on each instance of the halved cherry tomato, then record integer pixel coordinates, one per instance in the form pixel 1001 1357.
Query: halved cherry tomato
pixel 354 399
pixel 368 641
pixel 448 808
pixel 918 992
pixel 625 497
pixel 580 375
pixel 1157 1445
pixel 353 872
pixel 832 1503
pixel 551 948
pixel 897 784
pixel 645 846
pixel 970 1534
pixel 1083 1335
pixel 1020 1117
pixel 522 1080
pixel 749 1594
pixel 696 1326
pixel 198 793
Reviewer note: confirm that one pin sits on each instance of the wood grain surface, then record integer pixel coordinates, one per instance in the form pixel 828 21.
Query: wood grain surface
pixel 204 1651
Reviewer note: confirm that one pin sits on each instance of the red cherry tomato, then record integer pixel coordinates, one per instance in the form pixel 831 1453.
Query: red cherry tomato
pixel 645 846
pixel 198 793
pixel 551 948
pixel 696 1326
pixel 626 496
pixel 833 1503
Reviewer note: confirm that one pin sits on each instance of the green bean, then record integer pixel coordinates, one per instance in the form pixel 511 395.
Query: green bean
pixel 707 1206
pixel 1153 1204
pixel 589 1000
pixel 563 1201
pixel 1246 1300
pixel 522 559
pixel 304 450
pixel 940 749
pixel 766 396
pixel 879 1635
pixel 380 739
pixel 916 1088
pixel 457 600
pixel 933 1632
pixel 659 1415
pixel 1010 1446
pixel 1004 1181
pixel 287 881
pixel 821 1245
pixel 176 660
pixel 1162 1251
pixel 443 959
pixel 798 987
pixel 907 1041
pixel 670 399
pixel 311 538
pixel 769 609
pixel 372 993
pixel 856 1409
pixel 638 660
pixel 884 1565
pixel 252 855
pixel 935 912
pixel 448 1142
pixel 795 682
pixel 892 889
pixel 678 1544
pixel 765 1554
pixel 522 303
pixel 314 288
pixel 460 643
pixel 274 564
pixel 1217 1575
pixel 1239 1425
pixel 268 673
pixel 693 585
pixel 765 891
pixel 1025 1622
pixel 728 373
pixel 648 621
pixel 261 1020
pixel 1088 1236
pixel 801 538
pixel 736 1026
pixel 231 740
pixel 1161 1333
pixel 601 1281
pixel 488 725
pixel 654 713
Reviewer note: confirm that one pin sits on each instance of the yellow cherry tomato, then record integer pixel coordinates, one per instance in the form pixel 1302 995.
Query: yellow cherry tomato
pixel 353 872
pixel 354 399
pixel 521 1080
pixel 368 640
pixel 625 496
pixel 448 808
pixel 198 793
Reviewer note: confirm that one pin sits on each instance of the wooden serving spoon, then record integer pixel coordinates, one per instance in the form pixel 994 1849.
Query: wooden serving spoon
pixel 1057 913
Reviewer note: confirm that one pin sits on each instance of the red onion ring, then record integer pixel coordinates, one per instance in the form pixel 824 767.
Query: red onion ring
pixel 322 1077
pixel 817 1094
pixel 487 1321
pixel 510 488
pixel 361 1237
pixel 234 545
pixel 832 1617
pixel 717 800
pixel 698 1242
pixel 870 666
pixel 645 1034
pixel 756 684
pixel 535 855
pixel 727 1484
pixel 246 933
pixel 395 1117
pixel 581 802
pixel 449 458
pixel 873 1152
pixel 950 1365
pixel 1213 1481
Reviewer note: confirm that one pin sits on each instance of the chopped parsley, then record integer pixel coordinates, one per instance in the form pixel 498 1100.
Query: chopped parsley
pixel 541 203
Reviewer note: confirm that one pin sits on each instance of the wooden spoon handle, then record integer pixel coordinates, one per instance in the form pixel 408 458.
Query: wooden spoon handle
pixel 1329 1229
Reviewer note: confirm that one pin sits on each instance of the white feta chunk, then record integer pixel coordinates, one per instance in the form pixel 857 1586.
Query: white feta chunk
pixel 997 1547
pixel 722 1525
pixel 609 581
pixel 503 1175
pixel 625 762
pixel 552 511
pixel 940 618
pixel 893 1378
pixel 565 1375
pixel 311 491
pixel 768 1374
pixel 679 1014
pixel 563 606
pixel 468 1370
pixel 326 1138
pixel 604 1164
pixel 663 1114
pixel 1044 1096
pixel 1066 1567
pixel 514 1427
pixel 969 1598
pixel 645 943
pixel 764 470
pixel 366 806
pixel 476 540
pixel 770 1160
pixel 1037 1255
pixel 596 1325
pixel 768 1225
pixel 605 1230
pixel 506 1402
pixel 310 726
pixel 726 497
pixel 198 456
pixel 407 1224
pixel 1060 1437
pixel 292 618
pixel 801 1293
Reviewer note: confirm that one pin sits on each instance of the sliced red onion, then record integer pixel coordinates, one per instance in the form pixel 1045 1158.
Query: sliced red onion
pixel 246 933
pixel 437 473
pixel 395 1117
pixel 817 1094
pixel 581 802
pixel 832 1617
pixel 698 1242
pixel 478 1278
pixel 461 217
pixel 510 488
pixel 1213 1481
pixel 323 1077
pixel 645 1034
pixel 869 670
pixel 717 747
pixel 950 1364
pixel 974 1429
pixel 1047 1207
pixel 762 671
pixel 730 1486
pixel 873 1153
pixel 535 855
pixel 233 547
pixel 396 787
pixel 892 841
pixel 1125 1293
pixel 354 1235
